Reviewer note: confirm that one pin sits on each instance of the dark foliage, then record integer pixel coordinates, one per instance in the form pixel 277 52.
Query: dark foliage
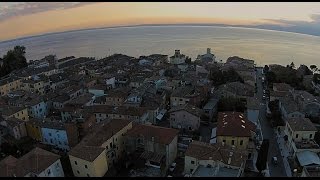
pixel 13 60
pixel 231 104
pixel 221 77
pixel 261 163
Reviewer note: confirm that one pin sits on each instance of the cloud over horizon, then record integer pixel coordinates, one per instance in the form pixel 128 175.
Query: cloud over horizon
pixel 13 9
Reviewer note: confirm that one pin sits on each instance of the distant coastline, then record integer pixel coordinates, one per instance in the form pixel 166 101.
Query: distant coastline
pixel 156 25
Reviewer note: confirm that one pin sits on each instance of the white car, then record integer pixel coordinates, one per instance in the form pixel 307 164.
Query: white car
pixel 172 167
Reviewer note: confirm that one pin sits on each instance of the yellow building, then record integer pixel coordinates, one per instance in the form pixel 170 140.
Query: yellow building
pixel 36 86
pixel 88 161
pixel 16 112
pixel 34 129
pixel 9 84
pixel 234 129
pixel 100 149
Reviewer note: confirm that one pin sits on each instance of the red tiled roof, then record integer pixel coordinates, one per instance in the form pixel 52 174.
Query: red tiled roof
pixel 161 135
pixel 234 124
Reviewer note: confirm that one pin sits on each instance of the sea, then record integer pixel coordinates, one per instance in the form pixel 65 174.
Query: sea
pixel 263 46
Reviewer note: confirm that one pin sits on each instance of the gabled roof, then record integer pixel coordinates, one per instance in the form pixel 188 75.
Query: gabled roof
pixel 189 108
pixel 161 135
pixel 36 161
pixel 301 124
pixel 234 124
pixel 216 152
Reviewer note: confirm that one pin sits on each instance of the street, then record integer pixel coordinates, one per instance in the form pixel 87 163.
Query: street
pixel 268 133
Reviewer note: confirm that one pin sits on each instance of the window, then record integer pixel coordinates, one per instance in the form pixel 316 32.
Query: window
pixel 49 172
pixel 88 175
pixel 241 142
pixel 192 162
pixel 78 172
pixel 232 142
pixel 224 141
pixel 51 141
pixel 112 154
pixel 86 166
pixel 50 134
pixel 297 135
pixel 191 170
pixel 107 147
pixel 75 162
pixel 310 136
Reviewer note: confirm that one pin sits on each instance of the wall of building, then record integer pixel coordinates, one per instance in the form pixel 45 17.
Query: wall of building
pixel 22 115
pixel 6 88
pixel 34 131
pixel 39 110
pixel 55 170
pixel 84 168
pixel 237 141
pixel 55 137
pixel 184 120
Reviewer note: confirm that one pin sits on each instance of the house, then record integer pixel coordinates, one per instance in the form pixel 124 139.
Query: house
pixel 282 87
pixel 99 150
pixel 157 145
pixel 9 84
pixel 177 58
pixel 184 95
pixel 36 163
pixel 16 127
pixel 116 97
pixel 34 129
pixel 60 135
pixel 236 90
pixel 276 95
pixel 211 107
pixel 185 117
pixel 85 99
pixel 14 111
pixel 98 90
pixel 36 84
pixel 105 112
pixel 60 101
pixel 289 108
pixel 307 103
pixel 207 58
pixel 73 91
pixel 300 133
pixel 214 160
pixel 253 108
pixel 234 129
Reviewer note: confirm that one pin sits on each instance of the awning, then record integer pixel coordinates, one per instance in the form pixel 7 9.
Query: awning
pixel 151 156
pixel 306 158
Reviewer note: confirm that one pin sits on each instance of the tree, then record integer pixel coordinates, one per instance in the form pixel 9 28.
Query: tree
pixel 13 60
pixel 261 163
pixel 292 66
pixel 266 69
pixel 313 68
pixel 188 60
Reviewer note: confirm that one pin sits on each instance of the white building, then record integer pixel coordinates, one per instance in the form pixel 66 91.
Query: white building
pixel 178 58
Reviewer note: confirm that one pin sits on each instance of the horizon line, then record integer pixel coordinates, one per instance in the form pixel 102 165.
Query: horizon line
pixel 141 25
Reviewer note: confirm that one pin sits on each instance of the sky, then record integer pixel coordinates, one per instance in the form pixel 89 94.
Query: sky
pixel 21 19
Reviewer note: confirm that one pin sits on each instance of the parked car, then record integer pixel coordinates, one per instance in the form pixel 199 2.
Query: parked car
pixel 275 160
pixel 173 166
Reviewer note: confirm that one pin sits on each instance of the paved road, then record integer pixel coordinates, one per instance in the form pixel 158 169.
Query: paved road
pixel 268 133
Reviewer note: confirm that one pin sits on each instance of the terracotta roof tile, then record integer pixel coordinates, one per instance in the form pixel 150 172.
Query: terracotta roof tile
pixel 234 124
pixel 161 135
